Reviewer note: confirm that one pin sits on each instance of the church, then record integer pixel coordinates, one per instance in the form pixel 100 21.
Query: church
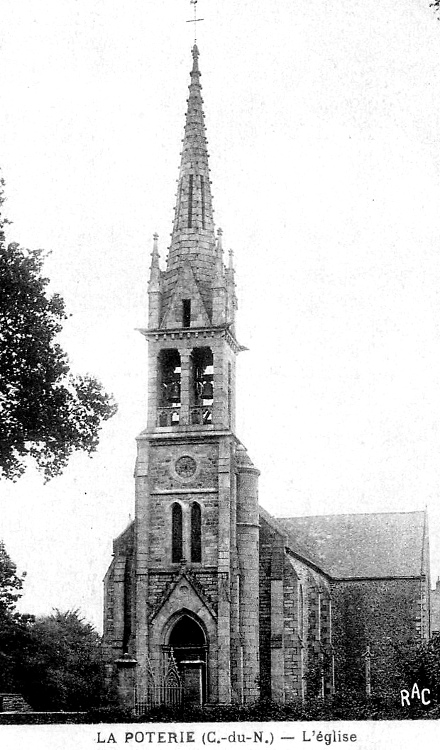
pixel 208 598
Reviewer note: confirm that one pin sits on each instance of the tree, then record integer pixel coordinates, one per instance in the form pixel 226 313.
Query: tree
pixel 56 661
pixel 10 583
pixel 64 669
pixel 14 627
pixel 45 411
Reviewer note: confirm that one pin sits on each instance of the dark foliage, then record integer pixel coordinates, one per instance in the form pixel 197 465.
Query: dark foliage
pixel 10 583
pixel 45 411
pixel 341 708
pixel 55 662
pixel 14 634
pixel 64 668
pixel 419 663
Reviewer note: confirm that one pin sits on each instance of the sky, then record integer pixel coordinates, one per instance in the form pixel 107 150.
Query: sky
pixel 323 122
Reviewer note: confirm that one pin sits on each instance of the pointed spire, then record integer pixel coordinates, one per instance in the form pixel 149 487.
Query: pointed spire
pixel 193 215
pixel 192 238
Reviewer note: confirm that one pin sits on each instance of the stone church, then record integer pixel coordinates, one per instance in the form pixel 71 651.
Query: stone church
pixel 208 596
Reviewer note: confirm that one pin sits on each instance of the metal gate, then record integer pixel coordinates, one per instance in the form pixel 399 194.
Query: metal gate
pixel 169 691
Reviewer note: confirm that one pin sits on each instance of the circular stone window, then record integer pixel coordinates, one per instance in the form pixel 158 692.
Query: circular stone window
pixel 185 466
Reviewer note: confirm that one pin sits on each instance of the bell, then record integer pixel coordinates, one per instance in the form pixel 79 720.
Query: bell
pixel 207 391
pixel 174 391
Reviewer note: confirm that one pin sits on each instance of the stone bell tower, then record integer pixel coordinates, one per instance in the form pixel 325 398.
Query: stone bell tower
pixel 188 566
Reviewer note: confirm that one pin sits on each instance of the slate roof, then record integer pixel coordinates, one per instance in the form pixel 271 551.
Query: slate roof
pixel 364 545
pixel 277 524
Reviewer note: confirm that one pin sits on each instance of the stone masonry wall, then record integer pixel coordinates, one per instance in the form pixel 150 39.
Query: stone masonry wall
pixel 379 613
pixel 248 557
pixel 267 536
pixel 295 650
pixel 299 648
pixel 118 602
pixel 161 525
pixel 435 608
pixel 161 582
pixel 319 682
pixel 163 456
pixel 167 487
pixel 307 632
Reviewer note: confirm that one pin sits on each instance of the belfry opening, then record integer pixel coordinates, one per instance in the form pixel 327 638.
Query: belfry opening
pixel 169 383
pixel 202 382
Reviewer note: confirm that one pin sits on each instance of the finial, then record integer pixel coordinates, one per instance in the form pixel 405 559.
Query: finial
pixel 231 260
pixel 195 20
pixel 219 239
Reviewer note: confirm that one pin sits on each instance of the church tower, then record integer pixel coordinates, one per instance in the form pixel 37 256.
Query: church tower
pixel 208 599
pixel 182 593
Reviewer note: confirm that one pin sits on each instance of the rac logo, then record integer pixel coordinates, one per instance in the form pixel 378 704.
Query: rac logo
pixel 406 697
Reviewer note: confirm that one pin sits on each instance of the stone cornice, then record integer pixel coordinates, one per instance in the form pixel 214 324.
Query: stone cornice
pixel 185 491
pixel 223 331
pixel 184 437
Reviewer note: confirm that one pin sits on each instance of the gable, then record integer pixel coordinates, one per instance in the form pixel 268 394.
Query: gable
pixel 186 289
pixel 183 591
pixel 365 545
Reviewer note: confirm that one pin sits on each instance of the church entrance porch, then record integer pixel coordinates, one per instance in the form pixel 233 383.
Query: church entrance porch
pixel 188 647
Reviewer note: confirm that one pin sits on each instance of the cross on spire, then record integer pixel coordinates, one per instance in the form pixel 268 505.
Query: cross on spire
pixel 195 19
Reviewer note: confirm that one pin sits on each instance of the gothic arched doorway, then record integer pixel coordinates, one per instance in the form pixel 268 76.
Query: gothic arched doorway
pixel 187 643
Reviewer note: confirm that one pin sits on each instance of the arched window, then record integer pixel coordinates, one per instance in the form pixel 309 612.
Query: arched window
pixel 176 533
pixel 196 533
